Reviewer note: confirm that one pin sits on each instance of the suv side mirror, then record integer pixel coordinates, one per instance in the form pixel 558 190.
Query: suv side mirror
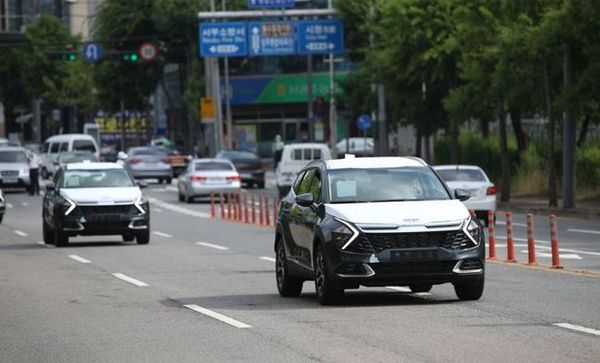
pixel 50 187
pixel 305 200
pixel 461 194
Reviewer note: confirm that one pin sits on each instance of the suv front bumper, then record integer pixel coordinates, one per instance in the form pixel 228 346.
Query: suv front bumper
pixel 97 224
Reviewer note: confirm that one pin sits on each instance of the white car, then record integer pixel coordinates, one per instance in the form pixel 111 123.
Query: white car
pixel 473 180
pixel 205 176
pixel 295 157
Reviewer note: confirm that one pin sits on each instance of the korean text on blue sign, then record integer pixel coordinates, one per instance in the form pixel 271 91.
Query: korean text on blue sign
pixel 223 39
pixel 271 38
pixel 320 36
pixel 270 4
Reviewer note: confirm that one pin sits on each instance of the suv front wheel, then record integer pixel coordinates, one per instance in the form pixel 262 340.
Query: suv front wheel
pixel 327 293
pixel 288 286
pixel 471 290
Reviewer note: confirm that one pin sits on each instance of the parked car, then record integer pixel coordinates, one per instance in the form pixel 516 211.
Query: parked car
pixel 2 205
pixel 248 164
pixel 69 157
pixel 206 176
pixel 90 199
pixel 376 222
pixel 295 157
pixel 147 162
pixel 473 180
pixel 63 143
pixel 359 146
pixel 14 167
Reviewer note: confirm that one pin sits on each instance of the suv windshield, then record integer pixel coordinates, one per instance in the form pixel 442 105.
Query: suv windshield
pixel 12 157
pixel 107 178
pixel 385 185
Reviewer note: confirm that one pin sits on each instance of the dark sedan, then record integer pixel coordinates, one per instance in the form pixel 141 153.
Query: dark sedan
pixel 248 164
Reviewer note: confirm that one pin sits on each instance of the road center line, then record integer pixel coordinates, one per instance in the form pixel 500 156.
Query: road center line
pixel 130 279
pixel 80 259
pixel 220 317
pixel 25 204
pixel 515 224
pixel 21 233
pixel 8 205
pixel 524 239
pixel 578 328
pixel 205 244
pixel 270 259
pixel 560 250
pixel 583 231
pixel 166 235
pixel 178 209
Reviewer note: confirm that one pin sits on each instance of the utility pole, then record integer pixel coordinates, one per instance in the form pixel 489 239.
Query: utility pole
pixel 569 138
pixel 216 93
pixel 227 95
pixel 122 125
pixel 309 96
pixel 332 104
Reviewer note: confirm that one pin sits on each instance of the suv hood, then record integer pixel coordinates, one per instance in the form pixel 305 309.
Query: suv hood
pixel 417 214
pixel 100 196
pixel 13 166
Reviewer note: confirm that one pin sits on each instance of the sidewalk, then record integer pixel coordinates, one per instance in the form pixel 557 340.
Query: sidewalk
pixel 588 209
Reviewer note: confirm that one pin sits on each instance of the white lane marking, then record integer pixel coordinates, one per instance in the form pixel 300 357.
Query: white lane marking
pixel 171 189
pixel 45 245
pixel 205 244
pixel 130 279
pixel 270 259
pixel 565 256
pixel 178 209
pixel 158 210
pixel 578 328
pixel 524 239
pixel 571 251
pixel 25 204
pixel 220 317
pixel 166 235
pixel 590 231
pixel 80 259
pixel 21 233
pixel 515 224
pixel 406 289
pixel 8 205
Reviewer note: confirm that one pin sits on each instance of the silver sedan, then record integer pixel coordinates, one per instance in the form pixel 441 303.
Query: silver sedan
pixel 148 163
pixel 205 176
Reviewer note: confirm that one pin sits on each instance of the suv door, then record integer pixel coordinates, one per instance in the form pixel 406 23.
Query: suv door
pixel 306 218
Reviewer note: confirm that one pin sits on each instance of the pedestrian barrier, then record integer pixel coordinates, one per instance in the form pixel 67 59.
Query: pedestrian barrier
pixel 554 243
pixel 491 236
pixel 510 243
pixel 532 261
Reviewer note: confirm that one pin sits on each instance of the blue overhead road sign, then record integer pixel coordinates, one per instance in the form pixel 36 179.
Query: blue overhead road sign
pixel 271 38
pixel 320 36
pixel 270 4
pixel 223 39
pixel 92 52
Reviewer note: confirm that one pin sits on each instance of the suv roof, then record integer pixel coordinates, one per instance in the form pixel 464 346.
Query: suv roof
pixel 375 162
pixel 93 166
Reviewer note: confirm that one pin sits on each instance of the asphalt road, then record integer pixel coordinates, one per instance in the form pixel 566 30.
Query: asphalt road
pixel 204 290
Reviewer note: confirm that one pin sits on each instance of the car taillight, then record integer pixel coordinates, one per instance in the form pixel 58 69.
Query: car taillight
pixel 166 160
pixel 135 161
pixel 197 178
pixel 491 190
pixel 234 178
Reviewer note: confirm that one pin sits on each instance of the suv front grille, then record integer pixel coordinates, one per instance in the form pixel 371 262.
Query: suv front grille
pixel 378 242
pixel 89 210
pixel 9 172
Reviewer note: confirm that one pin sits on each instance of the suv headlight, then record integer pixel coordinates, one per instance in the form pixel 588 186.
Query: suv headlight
pixel 473 230
pixel 343 234
pixel 24 171
pixel 141 204
pixel 68 206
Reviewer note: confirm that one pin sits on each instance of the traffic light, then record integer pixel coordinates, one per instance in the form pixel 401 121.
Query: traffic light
pixel 71 57
pixel 131 57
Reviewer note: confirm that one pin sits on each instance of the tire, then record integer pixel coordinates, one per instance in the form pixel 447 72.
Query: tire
pixel 160 181
pixel 48 234
pixel 129 237
pixel 181 197
pixel 260 185
pixel 168 181
pixel 420 288
pixel 327 293
pixel 1 217
pixel 60 238
pixel 486 222
pixel 44 174
pixel 188 198
pixel 470 291
pixel 287 285
pixel 143 238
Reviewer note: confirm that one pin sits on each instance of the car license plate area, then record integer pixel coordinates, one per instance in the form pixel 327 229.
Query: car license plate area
pixel 215 180
pixel 413 255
